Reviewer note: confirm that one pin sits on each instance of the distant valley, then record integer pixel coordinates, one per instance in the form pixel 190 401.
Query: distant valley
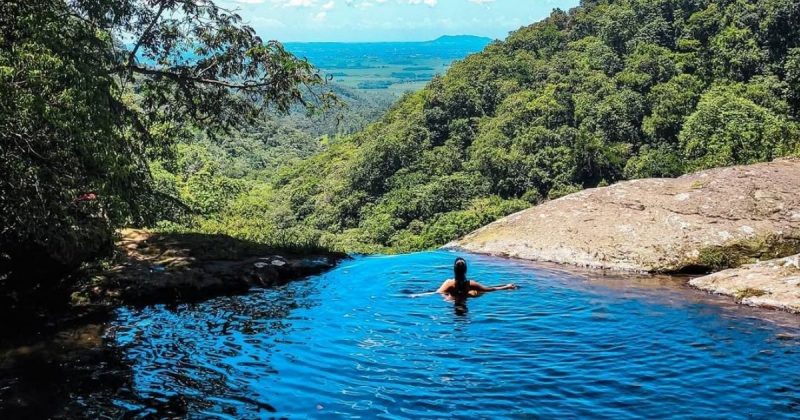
pixel 388 67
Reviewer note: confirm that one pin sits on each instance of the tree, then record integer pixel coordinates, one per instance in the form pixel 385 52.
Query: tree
pixel 648 65
pixel 792 70
pixel 617 118
pixel 91 90
pixel 671 103
pixel 592 53
pixel 657 162
pixel 615 27
pixel 704 24
pixel 737 55
pixel 727 129
pixel 448 102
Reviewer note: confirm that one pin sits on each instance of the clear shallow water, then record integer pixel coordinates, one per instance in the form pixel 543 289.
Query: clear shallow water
pixel 352 342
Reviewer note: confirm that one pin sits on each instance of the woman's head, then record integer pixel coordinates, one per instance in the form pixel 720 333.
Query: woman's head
pixel 460 270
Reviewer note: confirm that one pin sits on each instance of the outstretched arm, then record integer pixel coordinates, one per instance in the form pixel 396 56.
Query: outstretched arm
pixel 474 285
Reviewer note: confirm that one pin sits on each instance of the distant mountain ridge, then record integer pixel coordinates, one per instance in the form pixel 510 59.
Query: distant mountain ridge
pixel 452 39
pixel 444 39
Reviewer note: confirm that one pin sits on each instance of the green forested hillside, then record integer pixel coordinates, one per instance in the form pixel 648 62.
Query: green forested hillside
pixel 93 91
pixel 610 90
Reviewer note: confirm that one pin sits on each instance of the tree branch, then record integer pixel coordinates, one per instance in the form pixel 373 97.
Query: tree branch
pixel 188 78
pixel 132 56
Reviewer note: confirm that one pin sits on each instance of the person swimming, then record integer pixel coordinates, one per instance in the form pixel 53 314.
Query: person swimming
pixel 460 287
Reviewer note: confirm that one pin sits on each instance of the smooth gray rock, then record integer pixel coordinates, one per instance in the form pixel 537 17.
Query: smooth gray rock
pixel 704 221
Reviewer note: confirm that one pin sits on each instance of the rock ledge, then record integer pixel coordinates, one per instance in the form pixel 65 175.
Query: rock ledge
pixel 702 222
pixel 772 284
pixel 169 268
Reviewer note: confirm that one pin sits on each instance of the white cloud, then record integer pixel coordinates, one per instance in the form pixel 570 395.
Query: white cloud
pixel 430 3
pixel 329 5
pixel 481 1
pixel 294 3
pixel 266 22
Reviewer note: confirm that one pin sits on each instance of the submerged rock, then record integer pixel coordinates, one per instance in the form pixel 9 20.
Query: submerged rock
pixel 701 222
pixel 773 283
pixel 167 268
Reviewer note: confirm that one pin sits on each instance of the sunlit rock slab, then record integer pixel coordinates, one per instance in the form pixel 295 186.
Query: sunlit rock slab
pixel 705 221
pixel 774 283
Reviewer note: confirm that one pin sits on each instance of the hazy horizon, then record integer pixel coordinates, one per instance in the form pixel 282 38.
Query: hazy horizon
pixel 355 21
pixel 388 42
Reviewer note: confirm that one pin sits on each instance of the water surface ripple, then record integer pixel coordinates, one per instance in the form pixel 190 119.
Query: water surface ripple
pixel 352 342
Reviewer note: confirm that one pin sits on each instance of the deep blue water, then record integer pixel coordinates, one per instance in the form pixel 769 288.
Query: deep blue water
pixel 352 342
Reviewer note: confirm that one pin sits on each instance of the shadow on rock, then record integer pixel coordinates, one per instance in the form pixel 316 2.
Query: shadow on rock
pixel 166 268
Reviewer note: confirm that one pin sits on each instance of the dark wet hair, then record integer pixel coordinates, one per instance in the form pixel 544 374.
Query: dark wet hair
pixel 460 273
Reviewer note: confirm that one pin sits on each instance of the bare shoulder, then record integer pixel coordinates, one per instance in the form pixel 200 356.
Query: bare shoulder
pixel 449 283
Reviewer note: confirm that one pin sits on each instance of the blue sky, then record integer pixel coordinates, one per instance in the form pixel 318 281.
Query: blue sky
pixel 389 20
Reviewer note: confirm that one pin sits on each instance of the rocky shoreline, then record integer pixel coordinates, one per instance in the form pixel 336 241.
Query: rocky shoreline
pixel 53 349
pixel 706 222
pixel 771 284
pixel 171 268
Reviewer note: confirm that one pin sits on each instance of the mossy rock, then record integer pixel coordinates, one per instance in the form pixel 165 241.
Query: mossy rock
pixel 738 253
pixel 743 294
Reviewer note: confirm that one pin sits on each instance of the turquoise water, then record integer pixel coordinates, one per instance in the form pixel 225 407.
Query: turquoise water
pixel 352 342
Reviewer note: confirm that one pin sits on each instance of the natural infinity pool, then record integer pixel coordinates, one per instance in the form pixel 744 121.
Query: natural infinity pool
pixel 353 343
